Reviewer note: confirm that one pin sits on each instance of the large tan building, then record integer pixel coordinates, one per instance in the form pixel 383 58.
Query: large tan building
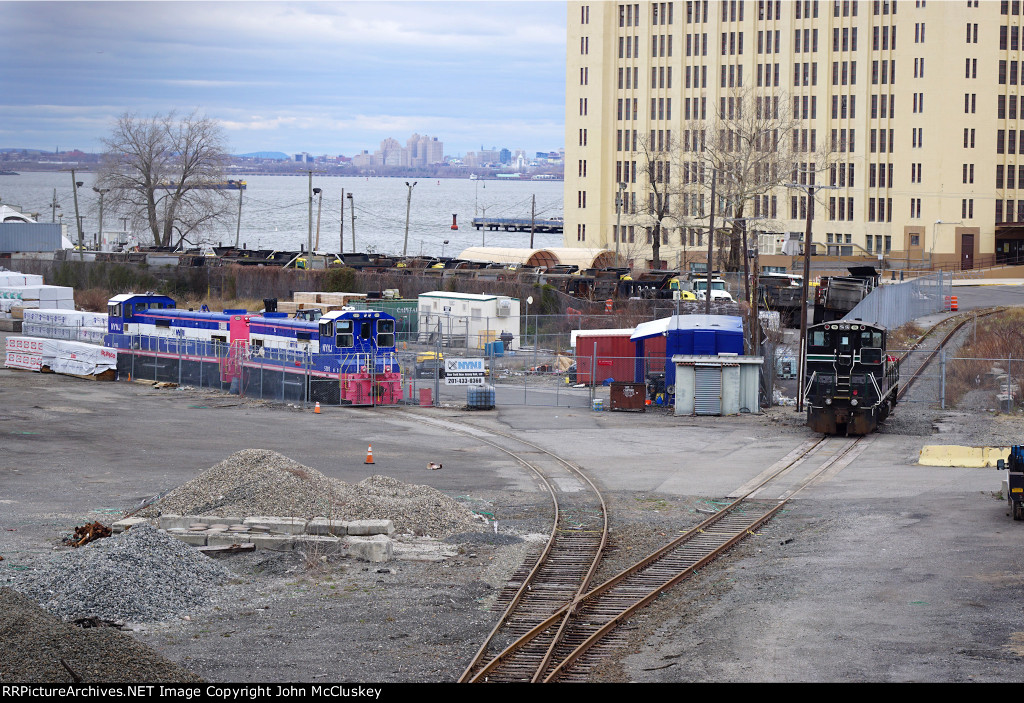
pixel 917 100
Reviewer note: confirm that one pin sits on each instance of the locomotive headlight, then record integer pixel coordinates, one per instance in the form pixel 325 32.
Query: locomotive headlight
pixel 828 401
pixel 853 401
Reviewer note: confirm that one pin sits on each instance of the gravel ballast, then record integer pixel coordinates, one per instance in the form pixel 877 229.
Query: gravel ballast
pixel 139 576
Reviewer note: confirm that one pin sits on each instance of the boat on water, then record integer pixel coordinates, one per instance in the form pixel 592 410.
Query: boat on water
pixel 216 185
pixel 9 173
pixel 472 176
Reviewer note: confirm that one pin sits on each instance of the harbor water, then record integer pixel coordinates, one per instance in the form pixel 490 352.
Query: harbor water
pixel 275 211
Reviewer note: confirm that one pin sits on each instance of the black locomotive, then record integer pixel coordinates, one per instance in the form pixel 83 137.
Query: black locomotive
pixel 851 383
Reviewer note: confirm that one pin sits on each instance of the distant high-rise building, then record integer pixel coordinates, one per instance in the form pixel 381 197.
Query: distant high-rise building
pixel 505 156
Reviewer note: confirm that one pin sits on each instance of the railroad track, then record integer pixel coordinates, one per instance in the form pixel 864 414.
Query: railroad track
pixel 931 354
pixel 561 573
pixel 557 628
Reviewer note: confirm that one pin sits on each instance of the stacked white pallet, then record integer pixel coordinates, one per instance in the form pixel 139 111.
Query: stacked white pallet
pixel 36 296
pixel 59 356
pixel 70 325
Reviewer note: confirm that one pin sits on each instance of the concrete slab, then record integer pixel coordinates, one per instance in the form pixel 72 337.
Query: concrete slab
pixel 326 526
pixel 376 549
pixel 284 525
pixel 126 524
pixel 371 527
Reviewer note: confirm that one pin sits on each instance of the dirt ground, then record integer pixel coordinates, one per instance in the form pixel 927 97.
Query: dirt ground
pixel 887 572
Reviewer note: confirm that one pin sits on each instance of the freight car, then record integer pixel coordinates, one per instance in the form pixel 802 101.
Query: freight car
pixel 837 295
pixel 347 356
pixel 851 383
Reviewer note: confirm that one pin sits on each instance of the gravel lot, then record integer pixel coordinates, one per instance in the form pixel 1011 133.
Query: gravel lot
pixel 888 572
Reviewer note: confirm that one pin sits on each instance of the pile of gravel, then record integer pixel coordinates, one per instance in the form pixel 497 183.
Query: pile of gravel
pixel 139 576
pixel 258 482
pixel 414 509
pixel 34 642
pixel 254 482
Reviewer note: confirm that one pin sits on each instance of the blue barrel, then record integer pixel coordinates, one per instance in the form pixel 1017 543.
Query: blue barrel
pixel 494 349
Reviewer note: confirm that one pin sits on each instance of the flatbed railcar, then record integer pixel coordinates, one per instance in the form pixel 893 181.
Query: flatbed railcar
pixel 851 383
pixel 345 357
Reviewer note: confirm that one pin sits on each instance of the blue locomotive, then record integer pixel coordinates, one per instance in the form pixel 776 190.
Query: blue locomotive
pixel 851 383
pixel 345 357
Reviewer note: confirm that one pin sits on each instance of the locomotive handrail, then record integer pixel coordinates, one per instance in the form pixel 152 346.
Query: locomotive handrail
pixel 810 382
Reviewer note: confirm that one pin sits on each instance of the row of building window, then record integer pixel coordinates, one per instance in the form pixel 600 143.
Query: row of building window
pixel 1013 174
pixel 1006 141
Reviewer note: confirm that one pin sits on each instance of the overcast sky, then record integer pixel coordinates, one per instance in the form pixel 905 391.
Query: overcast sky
pixel 321 77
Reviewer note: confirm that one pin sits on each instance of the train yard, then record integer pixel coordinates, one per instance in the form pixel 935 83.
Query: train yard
pixel 873 568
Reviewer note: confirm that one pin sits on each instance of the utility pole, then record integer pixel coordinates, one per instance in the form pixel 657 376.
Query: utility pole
pixel 618 220
pixel 711 237
pixel 352 211
pixel 802 366
pixel 483 228
pixel 408 206
pixel 53 207
pixel 533 217
pixel 341 240
pixel 74 188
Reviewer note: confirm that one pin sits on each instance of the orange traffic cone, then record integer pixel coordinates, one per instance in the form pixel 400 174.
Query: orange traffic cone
pixel 369 454
pixel 316 410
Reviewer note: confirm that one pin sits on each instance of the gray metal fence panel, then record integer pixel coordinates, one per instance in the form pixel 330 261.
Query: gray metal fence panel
pixel 895 304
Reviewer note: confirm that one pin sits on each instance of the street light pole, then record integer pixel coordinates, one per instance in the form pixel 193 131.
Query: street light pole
pixel 408 207
pixel 319 208
pixel 309 231
pixel 99 234
pixel 78 219
pixel 352 211
pixel 238 225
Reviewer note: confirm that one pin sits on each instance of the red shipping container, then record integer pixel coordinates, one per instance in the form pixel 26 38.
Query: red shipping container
pixel 613 355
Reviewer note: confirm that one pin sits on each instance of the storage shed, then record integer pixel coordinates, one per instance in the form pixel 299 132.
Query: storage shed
pixel 610 354
pixel 688 335
pixel 467 320
pixel 722 384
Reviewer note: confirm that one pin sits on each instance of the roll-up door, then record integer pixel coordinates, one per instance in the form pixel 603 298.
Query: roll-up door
pixel 707 398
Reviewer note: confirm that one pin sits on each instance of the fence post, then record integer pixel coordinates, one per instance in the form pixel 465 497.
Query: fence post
pixel 593 374
pixel 1009 383
pixel 942 383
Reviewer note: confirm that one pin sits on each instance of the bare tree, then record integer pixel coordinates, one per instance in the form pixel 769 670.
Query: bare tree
pixel 162 171
pixel 753 147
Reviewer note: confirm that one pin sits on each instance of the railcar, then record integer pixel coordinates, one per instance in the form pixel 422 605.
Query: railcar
pixel 851 383
pixel 346 356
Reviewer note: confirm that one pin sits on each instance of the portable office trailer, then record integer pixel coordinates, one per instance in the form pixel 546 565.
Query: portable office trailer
pixel 467 320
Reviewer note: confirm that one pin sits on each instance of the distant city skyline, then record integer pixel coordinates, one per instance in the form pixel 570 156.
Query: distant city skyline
pixel 323 78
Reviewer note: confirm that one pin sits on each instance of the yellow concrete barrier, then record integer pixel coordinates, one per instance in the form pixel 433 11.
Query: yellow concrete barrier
pixel 955 455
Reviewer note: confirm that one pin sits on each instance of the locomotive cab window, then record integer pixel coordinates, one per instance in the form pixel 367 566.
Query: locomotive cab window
pixel 870 356
pixel 345 338
pixel 114 310
pixel 821 338
pixel 871 339
pixel 385 333
pixel 366 330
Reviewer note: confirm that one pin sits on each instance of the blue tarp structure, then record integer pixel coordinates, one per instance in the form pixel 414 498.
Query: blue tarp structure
pixel 689 335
